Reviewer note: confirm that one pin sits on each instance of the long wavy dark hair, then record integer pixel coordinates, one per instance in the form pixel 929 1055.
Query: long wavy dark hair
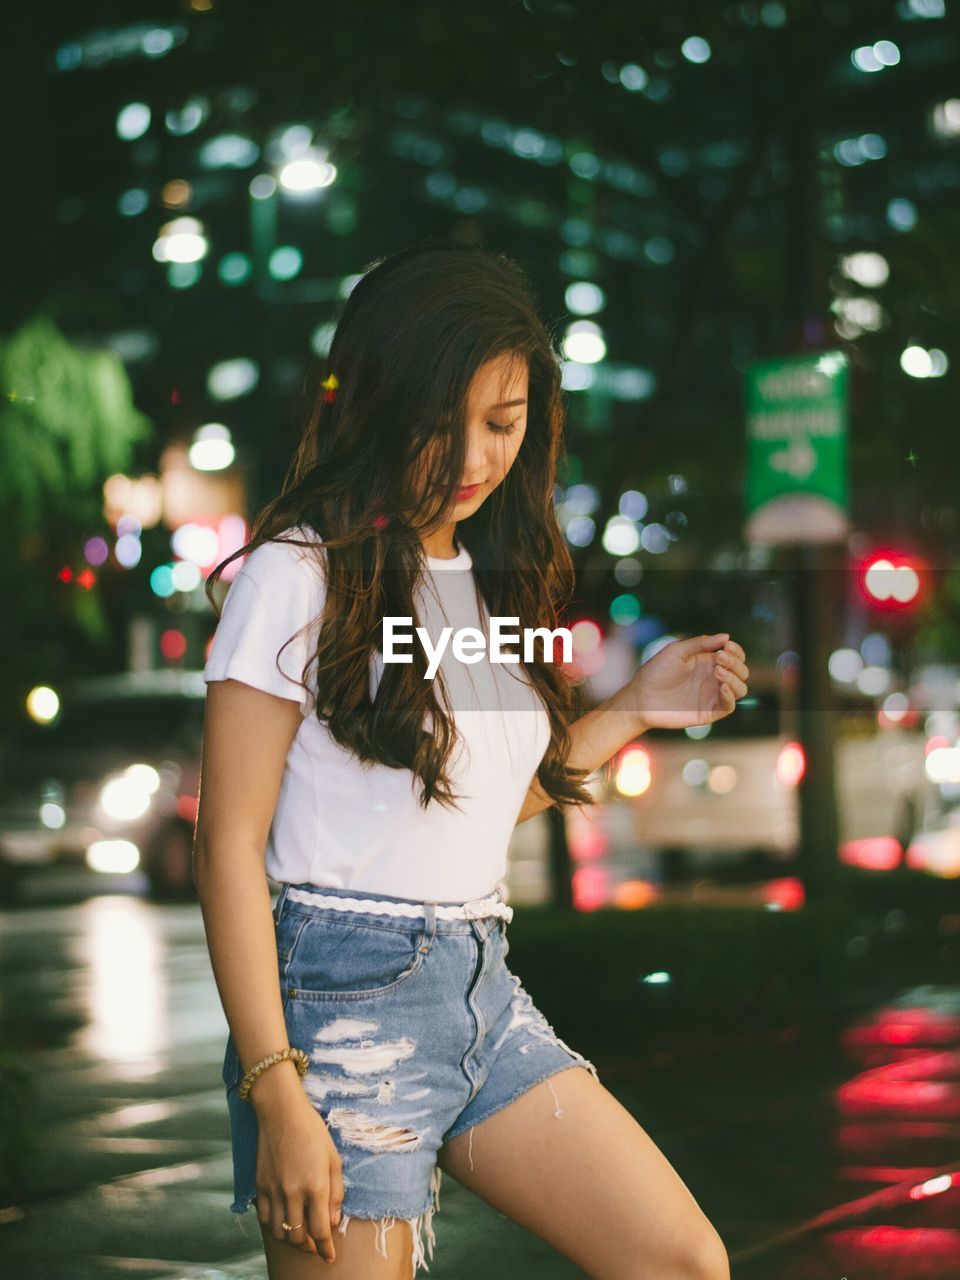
pixel 412 333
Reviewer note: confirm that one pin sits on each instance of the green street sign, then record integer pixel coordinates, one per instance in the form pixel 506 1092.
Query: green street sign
pixel 796 488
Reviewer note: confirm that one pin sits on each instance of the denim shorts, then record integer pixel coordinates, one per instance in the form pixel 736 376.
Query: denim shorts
pixel 416 1031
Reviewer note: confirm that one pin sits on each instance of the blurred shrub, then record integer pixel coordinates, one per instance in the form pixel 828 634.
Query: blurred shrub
pixel 618 981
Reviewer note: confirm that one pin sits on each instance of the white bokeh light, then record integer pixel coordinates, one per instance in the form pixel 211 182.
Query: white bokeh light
pixel 584 298
pixel 43 704
pixel 696 49
pixel 845 665
pixel 916 362
pixel 584 342
pixel 181 240
pixel 212 448
pixel 868 269
pixel 873 680
pixel 307 174
pixel 621 537
pixel 133 121
pixel 195 543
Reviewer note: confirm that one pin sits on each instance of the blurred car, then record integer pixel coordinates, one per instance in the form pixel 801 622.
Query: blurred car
pixel 111 782
pixel 936 849
pixel 726 792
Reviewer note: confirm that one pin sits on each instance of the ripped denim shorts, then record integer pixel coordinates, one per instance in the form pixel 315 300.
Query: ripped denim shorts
pixel 416 1031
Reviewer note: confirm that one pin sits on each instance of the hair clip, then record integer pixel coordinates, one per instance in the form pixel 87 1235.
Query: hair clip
pixel 380 522
pixel 331 384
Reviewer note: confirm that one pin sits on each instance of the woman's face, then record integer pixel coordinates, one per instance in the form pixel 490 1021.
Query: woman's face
pixel 496 424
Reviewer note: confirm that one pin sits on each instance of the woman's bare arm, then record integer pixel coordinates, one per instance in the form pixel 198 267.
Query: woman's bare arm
pixel 246 737
pixel 594 738
pixel 687 682
pixel 247 734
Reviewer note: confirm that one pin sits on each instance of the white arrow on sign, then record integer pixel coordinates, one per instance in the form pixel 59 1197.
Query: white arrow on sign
pixel 797 460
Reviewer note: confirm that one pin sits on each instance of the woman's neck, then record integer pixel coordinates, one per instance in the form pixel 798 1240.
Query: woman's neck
pixel 442 545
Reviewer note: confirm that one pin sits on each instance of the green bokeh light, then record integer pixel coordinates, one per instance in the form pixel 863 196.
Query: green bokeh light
pixel 286 262
pixel 181 275
pixel 161 581
pixel 625 609
pixel 234 269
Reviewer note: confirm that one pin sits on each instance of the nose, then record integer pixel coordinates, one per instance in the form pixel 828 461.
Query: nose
pixel 481 458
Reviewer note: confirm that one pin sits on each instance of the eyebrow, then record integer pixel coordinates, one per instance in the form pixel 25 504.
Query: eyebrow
pixel 507 404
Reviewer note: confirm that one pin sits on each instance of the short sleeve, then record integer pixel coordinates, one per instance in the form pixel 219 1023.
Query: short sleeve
pixel 277 595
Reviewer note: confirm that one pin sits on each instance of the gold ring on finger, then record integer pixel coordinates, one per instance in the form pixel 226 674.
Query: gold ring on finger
pixel 287 1227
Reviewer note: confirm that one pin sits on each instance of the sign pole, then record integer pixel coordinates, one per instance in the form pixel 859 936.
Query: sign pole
pixel 797 497
pixel 818 606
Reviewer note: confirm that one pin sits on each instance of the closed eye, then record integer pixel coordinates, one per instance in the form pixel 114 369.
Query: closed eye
pixel 504 428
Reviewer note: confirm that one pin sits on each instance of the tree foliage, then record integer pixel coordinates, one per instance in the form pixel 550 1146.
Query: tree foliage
pixel 67 422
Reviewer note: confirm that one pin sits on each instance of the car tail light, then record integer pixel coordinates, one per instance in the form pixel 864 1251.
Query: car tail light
pixel 791 764
pixel 874 853
pixel 785 894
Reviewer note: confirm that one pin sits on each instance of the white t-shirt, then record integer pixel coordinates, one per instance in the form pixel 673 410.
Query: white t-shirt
pixel 342 824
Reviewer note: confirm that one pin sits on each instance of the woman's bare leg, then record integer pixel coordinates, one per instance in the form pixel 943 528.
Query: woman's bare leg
pixel 590 1182
pixel 357 1255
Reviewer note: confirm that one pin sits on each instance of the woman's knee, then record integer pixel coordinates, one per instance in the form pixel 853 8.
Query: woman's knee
pixel 707 1257
pixel 697 1254
pixel 694 1254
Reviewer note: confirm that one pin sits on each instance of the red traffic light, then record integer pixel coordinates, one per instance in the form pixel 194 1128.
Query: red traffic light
pixel 893 580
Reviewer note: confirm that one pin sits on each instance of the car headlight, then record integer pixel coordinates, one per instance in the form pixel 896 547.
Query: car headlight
pixel 113 856
pixel 128 795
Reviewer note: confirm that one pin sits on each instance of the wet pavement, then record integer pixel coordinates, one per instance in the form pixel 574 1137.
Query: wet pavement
pixel 818 1152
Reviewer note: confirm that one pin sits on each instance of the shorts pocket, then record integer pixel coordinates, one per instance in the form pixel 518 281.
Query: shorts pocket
pixel 342 960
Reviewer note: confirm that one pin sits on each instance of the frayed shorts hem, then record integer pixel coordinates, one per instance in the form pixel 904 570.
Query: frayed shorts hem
pixel 576 1060
pixel 373 1215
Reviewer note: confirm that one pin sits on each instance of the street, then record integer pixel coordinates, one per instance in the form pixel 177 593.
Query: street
pixel 817 1153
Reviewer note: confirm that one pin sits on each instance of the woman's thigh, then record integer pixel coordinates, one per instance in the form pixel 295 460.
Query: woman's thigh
pixel 590 1182
pixel 358 1257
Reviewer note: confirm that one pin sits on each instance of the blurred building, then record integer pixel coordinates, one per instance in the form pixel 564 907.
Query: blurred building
pixel 210 179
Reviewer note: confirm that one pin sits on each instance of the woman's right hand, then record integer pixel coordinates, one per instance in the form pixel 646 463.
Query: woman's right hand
pixel 299 1171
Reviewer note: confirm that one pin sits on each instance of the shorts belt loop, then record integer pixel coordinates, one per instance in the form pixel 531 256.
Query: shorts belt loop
pixel 429 927
pixel 278 909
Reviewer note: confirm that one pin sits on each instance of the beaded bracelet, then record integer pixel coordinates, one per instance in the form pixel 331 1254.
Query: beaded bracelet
pixel 300 1059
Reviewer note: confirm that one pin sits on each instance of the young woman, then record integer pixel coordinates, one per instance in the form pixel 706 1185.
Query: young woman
pixel 382 801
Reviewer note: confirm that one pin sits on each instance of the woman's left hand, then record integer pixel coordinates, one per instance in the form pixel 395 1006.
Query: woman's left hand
pixel 688 682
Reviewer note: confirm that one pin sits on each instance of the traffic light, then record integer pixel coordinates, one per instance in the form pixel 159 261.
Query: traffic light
pixel 893 581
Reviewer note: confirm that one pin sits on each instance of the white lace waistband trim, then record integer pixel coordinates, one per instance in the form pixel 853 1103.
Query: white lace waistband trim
pixel 474 909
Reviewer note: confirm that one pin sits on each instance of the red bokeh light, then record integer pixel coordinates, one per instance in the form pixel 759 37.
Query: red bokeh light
pixel 589 888
pixel 787 893
pixel 187 807
pixel 873 853
pixel 173 645
pixel 893 580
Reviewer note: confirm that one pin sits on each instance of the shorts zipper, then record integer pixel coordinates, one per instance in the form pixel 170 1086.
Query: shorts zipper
pixel 479 964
